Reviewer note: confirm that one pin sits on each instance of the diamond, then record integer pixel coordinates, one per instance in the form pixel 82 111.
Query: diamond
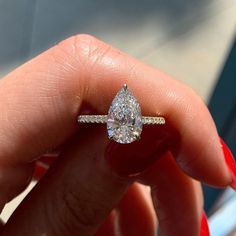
pixel 124 120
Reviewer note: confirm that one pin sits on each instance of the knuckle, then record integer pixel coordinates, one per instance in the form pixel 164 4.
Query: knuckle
pixel 86 49
pixel 84 54
pixel 80 209
pixel 80 212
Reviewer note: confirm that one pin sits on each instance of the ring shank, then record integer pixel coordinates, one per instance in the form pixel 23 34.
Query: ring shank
pixel 102 119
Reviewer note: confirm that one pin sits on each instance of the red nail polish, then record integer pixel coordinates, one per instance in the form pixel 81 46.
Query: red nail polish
pixel 134 158
pixel 204 230
pixel 230 161
pixel 42 165
pixel 40 170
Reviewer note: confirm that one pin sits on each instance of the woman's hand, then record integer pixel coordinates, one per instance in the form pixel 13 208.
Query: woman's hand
pixel 92 187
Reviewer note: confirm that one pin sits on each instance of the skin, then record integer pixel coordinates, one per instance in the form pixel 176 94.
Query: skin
pixel 86 191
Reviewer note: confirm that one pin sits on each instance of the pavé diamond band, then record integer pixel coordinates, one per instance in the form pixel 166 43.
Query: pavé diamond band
pixel 102 119
pixel 124 120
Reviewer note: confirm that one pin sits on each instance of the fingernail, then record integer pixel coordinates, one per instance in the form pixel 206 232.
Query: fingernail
pixel 230 161
pixel 134 158
pixel 40 170
pixel 42 165
pixel 204 230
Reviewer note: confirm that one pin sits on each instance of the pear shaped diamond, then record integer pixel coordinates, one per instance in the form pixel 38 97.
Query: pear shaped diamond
pixel 124 123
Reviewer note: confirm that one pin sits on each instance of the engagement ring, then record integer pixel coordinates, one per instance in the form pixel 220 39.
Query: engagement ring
pixel 124 120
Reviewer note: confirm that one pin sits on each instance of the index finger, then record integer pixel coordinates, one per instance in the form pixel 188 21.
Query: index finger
pixel 41 100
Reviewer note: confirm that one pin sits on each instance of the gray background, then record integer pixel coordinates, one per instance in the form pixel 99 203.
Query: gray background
pixel 187 39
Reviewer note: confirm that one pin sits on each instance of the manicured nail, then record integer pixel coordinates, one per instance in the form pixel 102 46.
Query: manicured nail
pixel 42 165
pixel 230 161
pixel 204 230
pixel 40 170
pixel 134 158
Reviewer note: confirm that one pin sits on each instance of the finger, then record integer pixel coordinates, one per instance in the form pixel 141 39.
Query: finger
pixel 177 199
pixel 79 190
pixel 136 213
pixel 41 99
pixel 75 196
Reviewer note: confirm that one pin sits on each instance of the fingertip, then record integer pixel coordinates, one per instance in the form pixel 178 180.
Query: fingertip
pixel 207 165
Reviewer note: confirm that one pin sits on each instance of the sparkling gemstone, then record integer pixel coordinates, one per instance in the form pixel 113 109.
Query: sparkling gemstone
pixel 124 123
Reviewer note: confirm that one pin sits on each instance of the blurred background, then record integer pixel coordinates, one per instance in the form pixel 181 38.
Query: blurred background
pixel 193 41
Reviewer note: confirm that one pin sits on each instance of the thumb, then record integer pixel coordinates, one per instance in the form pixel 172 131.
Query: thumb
pixel 77 193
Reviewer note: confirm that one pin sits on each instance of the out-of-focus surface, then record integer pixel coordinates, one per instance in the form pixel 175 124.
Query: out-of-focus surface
pixel 187 39
pixel 223 221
